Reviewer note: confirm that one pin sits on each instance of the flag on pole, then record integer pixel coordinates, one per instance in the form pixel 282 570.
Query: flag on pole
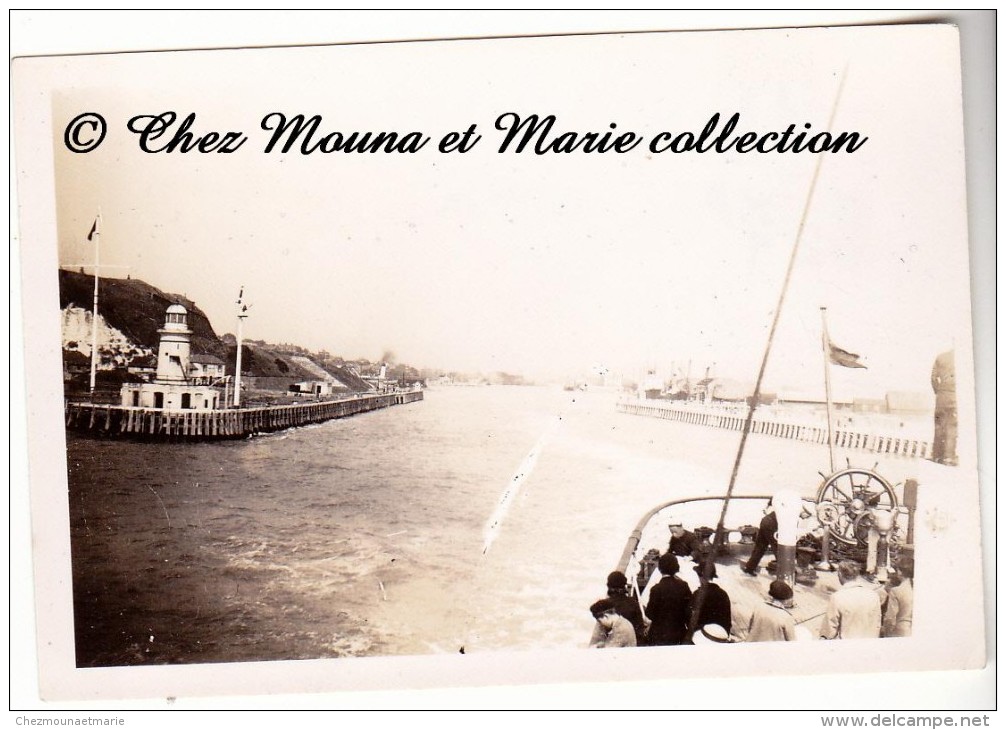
pixel 94 230
pixel 841 357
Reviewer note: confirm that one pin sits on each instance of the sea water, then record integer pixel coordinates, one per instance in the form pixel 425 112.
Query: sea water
pixel 481 518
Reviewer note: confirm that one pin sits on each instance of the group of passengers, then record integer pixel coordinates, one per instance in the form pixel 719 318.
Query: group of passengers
pixel 674 614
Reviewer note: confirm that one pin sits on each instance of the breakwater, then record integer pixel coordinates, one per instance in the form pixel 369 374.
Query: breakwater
pixel 161 424
pixel 867 438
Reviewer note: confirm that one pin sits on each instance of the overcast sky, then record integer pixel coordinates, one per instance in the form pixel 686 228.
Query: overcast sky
pixel 555 264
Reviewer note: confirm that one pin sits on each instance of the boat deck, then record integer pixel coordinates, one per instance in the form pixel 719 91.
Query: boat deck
pixel 812 590
pixel 809 601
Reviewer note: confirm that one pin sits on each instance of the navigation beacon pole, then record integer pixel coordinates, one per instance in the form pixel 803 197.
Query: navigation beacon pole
pixel 95 235
pixel 242 309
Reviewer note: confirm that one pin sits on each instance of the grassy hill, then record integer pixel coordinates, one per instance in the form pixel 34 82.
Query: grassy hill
pixel 136 309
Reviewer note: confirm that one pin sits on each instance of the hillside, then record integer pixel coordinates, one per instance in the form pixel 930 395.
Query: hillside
pixel 265 363
pixel 136 309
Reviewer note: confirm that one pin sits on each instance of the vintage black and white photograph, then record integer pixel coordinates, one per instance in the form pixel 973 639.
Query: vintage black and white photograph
pixel 476 353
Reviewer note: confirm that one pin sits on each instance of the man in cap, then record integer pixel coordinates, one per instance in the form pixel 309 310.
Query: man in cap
pixel 683 543
pixel 611 631
pixel 771 620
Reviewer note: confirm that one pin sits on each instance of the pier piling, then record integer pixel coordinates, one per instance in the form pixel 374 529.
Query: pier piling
pixel 190 425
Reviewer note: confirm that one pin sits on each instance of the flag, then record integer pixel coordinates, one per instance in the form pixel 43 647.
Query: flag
pixel 94 230
pixel 841 357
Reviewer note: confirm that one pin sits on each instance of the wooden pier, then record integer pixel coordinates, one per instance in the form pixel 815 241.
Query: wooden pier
pixel 811 432
pixel 160 424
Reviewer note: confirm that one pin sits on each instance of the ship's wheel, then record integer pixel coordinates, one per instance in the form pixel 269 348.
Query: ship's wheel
pixel 845 499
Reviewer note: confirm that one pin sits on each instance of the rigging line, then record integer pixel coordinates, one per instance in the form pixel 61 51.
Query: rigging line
pixel 718 537
pixel 811 618
pixel 775 321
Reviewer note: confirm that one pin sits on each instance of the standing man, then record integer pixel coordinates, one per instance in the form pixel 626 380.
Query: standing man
pixel 772 621
pixel 945 416
pixel 668 608
pixel 900 599
pixel 764 540
pixel 854 609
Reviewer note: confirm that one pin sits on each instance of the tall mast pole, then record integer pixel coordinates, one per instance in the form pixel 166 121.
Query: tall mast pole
pixel 95 235
pixel 826 345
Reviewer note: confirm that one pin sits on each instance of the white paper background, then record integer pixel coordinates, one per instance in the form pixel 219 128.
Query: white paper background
pixel 47 33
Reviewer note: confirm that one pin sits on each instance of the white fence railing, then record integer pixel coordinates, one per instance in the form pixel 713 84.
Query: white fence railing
pixel 795 427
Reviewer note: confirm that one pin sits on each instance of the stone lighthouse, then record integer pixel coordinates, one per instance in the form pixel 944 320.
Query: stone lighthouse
pixel 173 352
pixel 182 382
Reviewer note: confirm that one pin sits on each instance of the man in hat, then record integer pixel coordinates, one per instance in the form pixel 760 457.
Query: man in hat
pixel 626 605
pixel 771 620
pixel 854 609
pixel 668 608
pixel 710 604
pixel 611 631
pixel 683 543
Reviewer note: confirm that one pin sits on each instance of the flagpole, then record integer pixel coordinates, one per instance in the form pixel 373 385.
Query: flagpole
pixel 825 563
pixel 826 350
pixel 94 313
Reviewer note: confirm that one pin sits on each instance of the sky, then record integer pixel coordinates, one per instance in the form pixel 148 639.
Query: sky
pixel 554 265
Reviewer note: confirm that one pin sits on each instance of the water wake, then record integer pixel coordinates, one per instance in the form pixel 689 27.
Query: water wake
pixel 495 520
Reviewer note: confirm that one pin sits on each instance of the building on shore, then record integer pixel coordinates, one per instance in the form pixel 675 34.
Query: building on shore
pixel 205 369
